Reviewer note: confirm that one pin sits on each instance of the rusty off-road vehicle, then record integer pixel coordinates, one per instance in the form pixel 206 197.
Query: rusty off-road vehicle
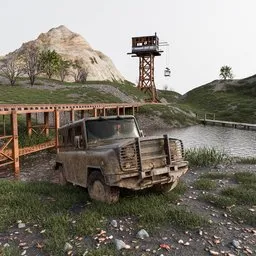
pixel 105 154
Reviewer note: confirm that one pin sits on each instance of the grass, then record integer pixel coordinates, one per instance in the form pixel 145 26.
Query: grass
pixel 234 103
pixel 64 212
pixel 241 197
pixel 215 175
pixel 246 160
pixel 218 200
pixel 242 194
pixel 205 184
pixel 205 157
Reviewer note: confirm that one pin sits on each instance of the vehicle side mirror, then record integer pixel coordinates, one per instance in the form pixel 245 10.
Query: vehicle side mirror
pixel 141 133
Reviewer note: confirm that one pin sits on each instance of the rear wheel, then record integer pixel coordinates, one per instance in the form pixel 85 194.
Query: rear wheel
pixel 165 188
pixel 99 191
pixel 62 177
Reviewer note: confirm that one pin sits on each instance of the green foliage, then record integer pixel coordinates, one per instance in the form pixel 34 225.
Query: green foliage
pixel 205 157
pixel 226 72
pixel 205 184
pixel 215 175
pixel 243 194
pixel 219 200
pixel 50 62
pixel 245 178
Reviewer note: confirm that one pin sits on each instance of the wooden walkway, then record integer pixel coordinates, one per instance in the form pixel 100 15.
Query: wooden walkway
pixel 9 143
pixel 237 125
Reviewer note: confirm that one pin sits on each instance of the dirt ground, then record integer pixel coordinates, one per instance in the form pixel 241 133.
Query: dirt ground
pixel 223 237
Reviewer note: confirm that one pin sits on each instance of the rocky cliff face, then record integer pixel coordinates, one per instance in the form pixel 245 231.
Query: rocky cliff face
pixel 72 46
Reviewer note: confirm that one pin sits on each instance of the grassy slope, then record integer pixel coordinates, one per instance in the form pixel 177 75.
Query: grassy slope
pixel 234 103
pixel 75 93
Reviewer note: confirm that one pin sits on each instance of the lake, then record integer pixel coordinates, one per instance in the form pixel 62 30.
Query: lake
pixel 234 142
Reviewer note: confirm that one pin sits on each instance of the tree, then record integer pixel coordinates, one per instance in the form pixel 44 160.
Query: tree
pixel 226 72
pixel 49 61
pixel 11 68
pixel 63 68
pixel 32 65
pixel 79 72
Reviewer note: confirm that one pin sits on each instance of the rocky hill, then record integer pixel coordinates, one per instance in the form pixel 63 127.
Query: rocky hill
pixel 72 46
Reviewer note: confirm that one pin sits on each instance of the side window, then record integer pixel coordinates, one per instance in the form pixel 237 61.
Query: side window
pixel 78 139
pixel 69 137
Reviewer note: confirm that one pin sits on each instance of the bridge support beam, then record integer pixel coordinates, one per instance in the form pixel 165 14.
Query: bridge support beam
pixel 15 150
pixel 57 125
pixel 46 123
pixel 29 124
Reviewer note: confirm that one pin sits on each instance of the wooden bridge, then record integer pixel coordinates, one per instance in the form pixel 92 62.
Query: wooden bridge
pixel 9 143
pixel 213 121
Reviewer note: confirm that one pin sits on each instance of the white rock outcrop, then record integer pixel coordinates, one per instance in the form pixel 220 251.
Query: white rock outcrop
pixel 72 46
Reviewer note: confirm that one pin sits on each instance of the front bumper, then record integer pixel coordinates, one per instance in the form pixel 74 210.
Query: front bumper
pixel 148 178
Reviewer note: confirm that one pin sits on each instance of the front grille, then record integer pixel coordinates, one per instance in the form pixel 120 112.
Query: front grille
pixel 129 158
pixel 176 150
pixel 150 154
pixel 153 154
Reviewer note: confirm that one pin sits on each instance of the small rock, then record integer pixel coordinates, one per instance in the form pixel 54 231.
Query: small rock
pixel 187 244
pixel 23 253
pixel 200 232
pixel 6 245
pixel 120 244
pixel 181 241
pixel 147 250
pixel 236 244
pixel 21 225
pixel 68 247
pixel 142 234
pixel 213 252
pixel 114 223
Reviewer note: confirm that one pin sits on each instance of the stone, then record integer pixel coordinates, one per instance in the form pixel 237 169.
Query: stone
pixel 142 234
pixel 23 253
pixel 120 244
pixel 114 223
pixel 21 225
pixel 236 244
pixel 68 247
pixel 213 252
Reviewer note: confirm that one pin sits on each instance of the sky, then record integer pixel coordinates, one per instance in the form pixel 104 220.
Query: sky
pixel 203 35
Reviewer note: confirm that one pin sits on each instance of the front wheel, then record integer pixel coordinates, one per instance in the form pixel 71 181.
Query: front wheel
pixel 99 191
pixel 165 188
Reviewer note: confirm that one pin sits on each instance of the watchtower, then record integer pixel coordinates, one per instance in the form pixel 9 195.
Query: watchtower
pixel 146 48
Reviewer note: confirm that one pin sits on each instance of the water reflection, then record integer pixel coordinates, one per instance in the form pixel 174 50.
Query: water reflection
pixel 234 142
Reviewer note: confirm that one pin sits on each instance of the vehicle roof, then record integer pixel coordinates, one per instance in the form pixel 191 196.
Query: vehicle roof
pixel 97 118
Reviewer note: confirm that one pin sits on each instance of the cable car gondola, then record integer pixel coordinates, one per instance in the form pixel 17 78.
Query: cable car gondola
pixel 167 72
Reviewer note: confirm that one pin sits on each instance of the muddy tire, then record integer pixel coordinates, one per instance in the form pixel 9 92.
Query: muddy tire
pixel 62 178
pixel 165 188
pixel 99 191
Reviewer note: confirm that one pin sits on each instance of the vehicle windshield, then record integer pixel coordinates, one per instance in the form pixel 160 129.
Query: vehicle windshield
pixel 107 129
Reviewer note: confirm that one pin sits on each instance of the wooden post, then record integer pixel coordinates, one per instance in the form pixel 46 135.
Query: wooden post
pixel 57 125
pixel 46 123
pixel 124 110
pixel 82 114
pixel 15 150
pixel 104 111
pixel 95 112
pixel 117 111
pixel 4 130
pixel 133 111
pixel 29 124
pixel 72 115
